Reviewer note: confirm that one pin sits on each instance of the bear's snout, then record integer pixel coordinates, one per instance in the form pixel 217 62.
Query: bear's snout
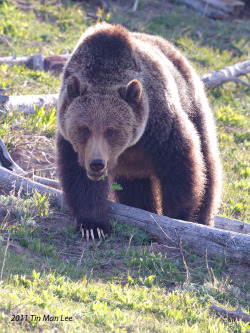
pixel 97 165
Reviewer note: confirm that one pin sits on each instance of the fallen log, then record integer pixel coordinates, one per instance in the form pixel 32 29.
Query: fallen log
pixel 199 238
pixel 234 315
pixel 220 222
pixel 37 61
pixel 30 61
pixel 27 103
pixel 215 9
pixel 228 224
pixel 11 182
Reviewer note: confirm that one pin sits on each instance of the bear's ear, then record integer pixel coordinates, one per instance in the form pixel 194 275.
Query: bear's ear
pixel 74 88
pixel 132 92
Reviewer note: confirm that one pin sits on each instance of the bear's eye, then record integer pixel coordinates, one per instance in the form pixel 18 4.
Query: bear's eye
pixel 85 131
pixel 109 132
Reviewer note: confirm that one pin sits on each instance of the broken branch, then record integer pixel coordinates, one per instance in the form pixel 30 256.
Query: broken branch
pixel 226 74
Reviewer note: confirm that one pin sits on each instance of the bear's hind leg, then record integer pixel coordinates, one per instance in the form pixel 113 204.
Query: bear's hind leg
pixel 137 193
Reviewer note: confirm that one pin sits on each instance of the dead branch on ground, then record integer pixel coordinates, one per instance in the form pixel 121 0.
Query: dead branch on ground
pixel 226 74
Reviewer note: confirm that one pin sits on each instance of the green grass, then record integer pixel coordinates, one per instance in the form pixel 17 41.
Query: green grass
pixel 126 283
pixel 97 307
pixel 27 81
pixel 50 27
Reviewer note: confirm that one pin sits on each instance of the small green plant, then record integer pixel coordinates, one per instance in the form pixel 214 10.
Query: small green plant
pixel 229 117
pixel 132 234
pixel 116 186
pixel 42 120
pixel 35 205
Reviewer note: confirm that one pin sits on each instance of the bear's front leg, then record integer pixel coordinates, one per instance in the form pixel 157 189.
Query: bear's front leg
pixel 86 199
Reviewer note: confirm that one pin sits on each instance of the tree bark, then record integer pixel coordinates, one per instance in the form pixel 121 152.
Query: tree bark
pixel 199 238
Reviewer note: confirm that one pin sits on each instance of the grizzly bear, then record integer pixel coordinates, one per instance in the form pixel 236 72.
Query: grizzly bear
pixel 132 110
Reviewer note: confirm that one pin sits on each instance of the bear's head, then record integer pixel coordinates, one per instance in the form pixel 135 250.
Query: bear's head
pixel 101 125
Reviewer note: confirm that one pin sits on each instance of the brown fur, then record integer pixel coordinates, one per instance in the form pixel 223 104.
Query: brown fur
pixel 132 106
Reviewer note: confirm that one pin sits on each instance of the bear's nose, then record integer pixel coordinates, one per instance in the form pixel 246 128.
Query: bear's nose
pixel 97 165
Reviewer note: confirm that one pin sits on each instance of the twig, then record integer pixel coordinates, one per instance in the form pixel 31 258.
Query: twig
pixel 5 39
pixel 47 181
pixel 8 38
pixel 188 276
pixel 4 257
pixel 94 17
pixel 129 243
pixel 237 80
pixel 90 275
pixel 208 268
pixel 163 230
pixel 134 9
pixel 79 262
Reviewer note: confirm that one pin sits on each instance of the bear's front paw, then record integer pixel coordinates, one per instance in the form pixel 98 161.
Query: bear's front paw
pixel 87 234
pixel 93 230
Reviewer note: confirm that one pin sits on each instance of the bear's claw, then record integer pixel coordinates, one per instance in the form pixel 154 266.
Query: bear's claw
pixel 91 233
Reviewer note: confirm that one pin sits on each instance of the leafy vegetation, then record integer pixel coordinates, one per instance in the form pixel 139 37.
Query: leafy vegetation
pixel 126 283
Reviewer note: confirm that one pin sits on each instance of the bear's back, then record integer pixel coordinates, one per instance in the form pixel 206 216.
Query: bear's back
pixel 104 53
pixel 109 55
